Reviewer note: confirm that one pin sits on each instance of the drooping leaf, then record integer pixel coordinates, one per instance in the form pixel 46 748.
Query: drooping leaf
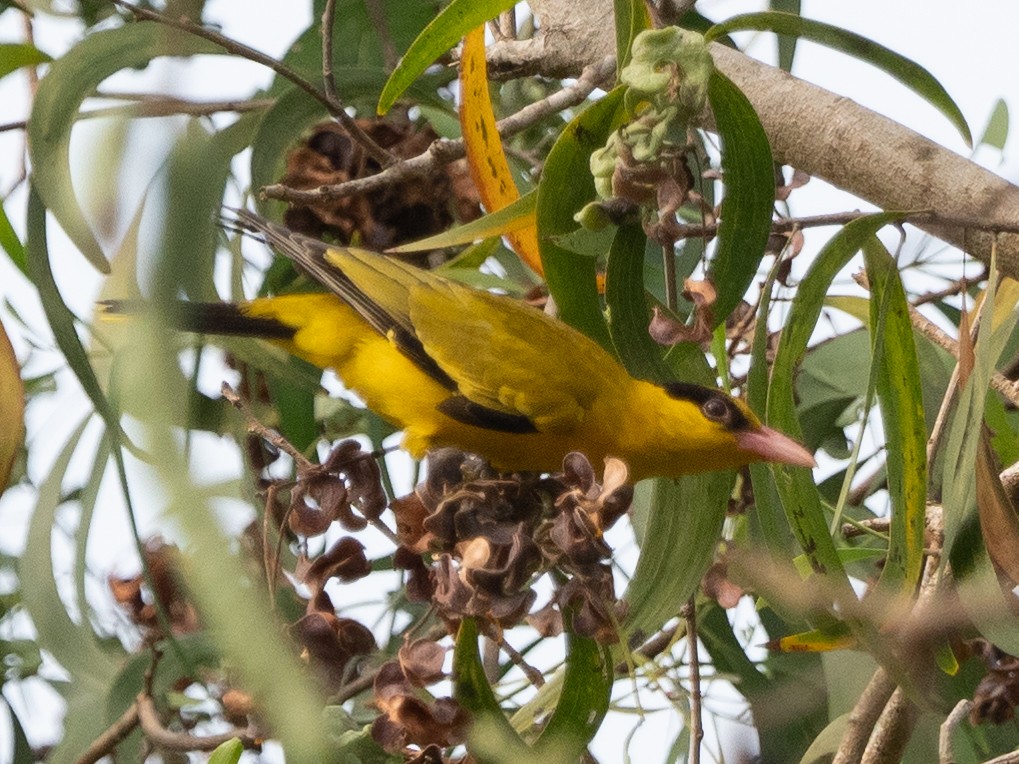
pixel 566 185
pixel 677 546
pixel 795 485
pixel 445 31
pixel 485 156
pixel 627 304
pixel 70 80
pixel 749 195
pixel 900 396
pixel 908 72
pixel 59 317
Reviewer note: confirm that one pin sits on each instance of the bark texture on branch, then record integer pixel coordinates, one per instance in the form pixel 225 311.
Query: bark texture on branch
pixel 810 128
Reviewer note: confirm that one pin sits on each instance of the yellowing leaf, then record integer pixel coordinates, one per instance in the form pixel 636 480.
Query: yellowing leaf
pixel 999 522
pixel 816 641
pixel 489 168
pixel 12 408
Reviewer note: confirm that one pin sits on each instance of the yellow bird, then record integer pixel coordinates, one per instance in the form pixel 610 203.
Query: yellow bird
pixel 455 366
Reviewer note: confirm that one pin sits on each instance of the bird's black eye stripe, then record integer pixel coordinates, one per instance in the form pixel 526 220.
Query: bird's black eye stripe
pixel 715 405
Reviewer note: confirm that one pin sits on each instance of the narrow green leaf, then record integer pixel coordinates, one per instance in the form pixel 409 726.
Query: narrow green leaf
pixel 768 513
pixel 900 397
pixel 587 688
pixel 795 485
pixel 786 44
pixel 474 693
pixel 980 591
pixel 70 80
pixel 452 23
pixel 749 195
pixel 677 547
pixel 908 72
pixel 632 18
pixel 58 315
pixel 627 307
pixel 10 242
pixel 71 644
pixel 996 132
pixel 565 187
pixel 13 56
pixel 512 217
pixel 963 435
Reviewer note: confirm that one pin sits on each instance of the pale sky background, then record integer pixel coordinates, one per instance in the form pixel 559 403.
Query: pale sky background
pixel 972 49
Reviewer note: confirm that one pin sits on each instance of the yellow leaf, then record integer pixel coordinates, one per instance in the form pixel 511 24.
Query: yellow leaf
pixel 815 641
pixel 487 161
pixel 12 409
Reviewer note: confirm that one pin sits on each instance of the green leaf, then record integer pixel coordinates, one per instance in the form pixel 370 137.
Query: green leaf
pixel 452 23
pixel 627 304
pixel 796 485
pixel 632 18
pixel 566 185
pixel 71 644
pixel 10 242
pixel 900 396
pixel 59 317
pixel 786 44
pixel 749 195
pixel 768 515
pixel 587 688
pixel 474 693
pixel 512 217
pixel 996 132
pixel 69 81
pixel 13 56
pixel 228 753
pixel 677 547
pixel 909 73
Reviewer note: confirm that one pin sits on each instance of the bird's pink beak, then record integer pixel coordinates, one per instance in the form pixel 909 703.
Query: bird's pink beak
pixel 770 445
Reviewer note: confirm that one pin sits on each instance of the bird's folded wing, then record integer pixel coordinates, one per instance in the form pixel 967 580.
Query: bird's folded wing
pixel 508 357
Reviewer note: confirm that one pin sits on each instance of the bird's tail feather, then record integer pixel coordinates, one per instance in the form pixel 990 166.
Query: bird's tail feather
pixel 208 318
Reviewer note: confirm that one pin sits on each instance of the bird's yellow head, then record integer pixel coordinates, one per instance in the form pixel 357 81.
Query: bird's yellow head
pixel 702 429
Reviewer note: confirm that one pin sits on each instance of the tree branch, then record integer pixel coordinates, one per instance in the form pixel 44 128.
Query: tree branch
pixel 811 129
pixel 445 150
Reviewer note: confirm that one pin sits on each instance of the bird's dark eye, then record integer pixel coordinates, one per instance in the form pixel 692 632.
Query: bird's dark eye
pixel 716 409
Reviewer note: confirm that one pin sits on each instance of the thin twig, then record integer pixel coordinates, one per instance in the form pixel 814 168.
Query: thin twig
pixel 689 613
pixel 954 719
pixel 534 676
pixel 169 740
pixel 105 744
pixel 334 107
pixel 444 150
